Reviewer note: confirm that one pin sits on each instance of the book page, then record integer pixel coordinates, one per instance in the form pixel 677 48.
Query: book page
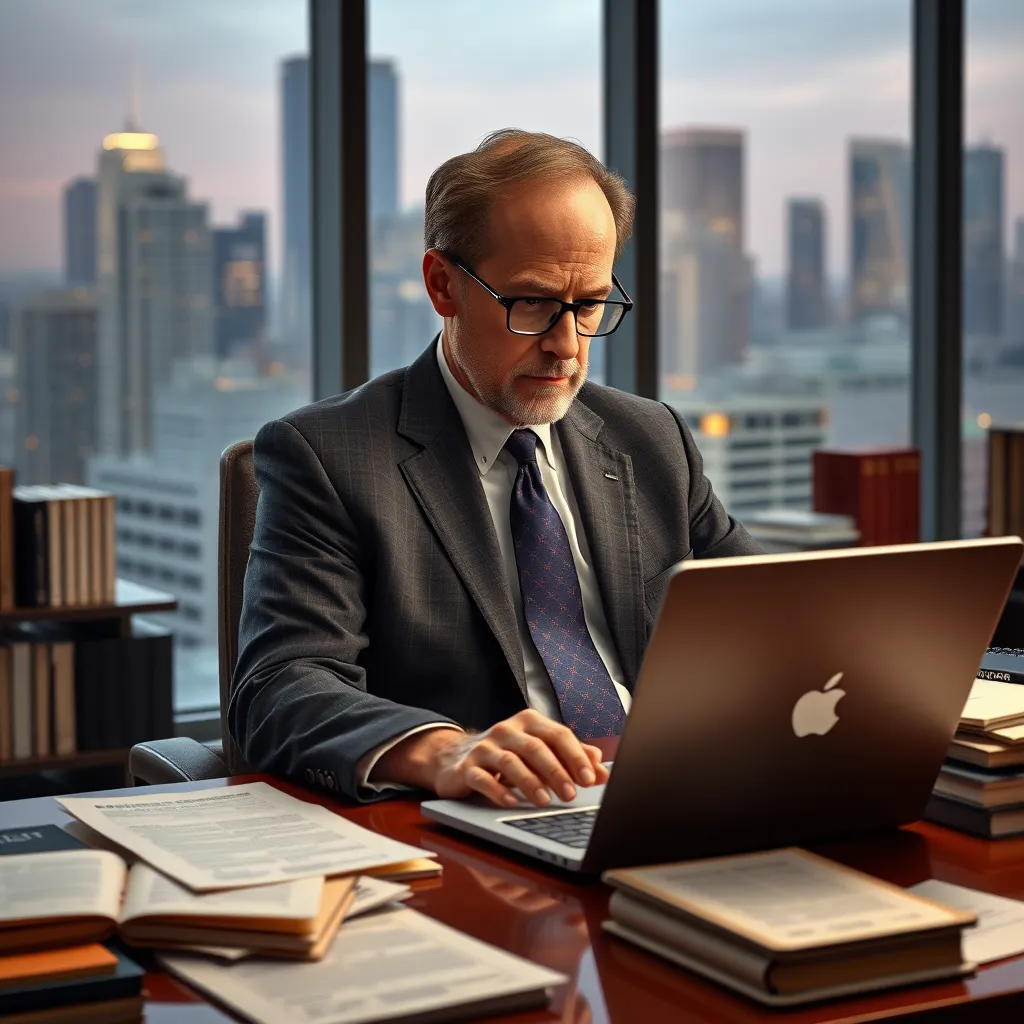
pixel 990 702
pixel 374 893
pixel 1000 930
pixel 151 894
pixel 393 964
pixel 62 884
pixel 231 837
pixel 787 899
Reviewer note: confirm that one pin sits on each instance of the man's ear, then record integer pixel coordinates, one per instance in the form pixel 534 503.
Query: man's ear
pixel 442 288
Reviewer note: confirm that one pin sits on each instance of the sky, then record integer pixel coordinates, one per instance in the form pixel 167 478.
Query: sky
pixel 800 76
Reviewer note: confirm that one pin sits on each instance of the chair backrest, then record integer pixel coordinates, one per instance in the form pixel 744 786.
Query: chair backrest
pixel 238 495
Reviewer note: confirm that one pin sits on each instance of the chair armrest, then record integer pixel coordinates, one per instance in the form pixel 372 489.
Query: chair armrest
pixel 179 759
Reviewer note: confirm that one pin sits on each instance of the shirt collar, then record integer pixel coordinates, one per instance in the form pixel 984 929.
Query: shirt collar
pixel 487 431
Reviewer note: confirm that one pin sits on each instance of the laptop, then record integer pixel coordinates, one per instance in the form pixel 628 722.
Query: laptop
pixel 784 699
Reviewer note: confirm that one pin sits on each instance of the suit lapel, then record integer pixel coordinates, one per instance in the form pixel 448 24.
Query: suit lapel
pixel 602 480
pixel 446 484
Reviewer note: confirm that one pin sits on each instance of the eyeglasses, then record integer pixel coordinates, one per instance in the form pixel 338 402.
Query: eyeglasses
pixel 532 315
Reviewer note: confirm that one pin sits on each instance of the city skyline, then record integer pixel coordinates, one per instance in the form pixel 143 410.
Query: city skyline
pixel 214 105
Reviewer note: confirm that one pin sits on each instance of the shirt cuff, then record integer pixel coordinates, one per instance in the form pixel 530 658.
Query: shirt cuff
pixel 368 762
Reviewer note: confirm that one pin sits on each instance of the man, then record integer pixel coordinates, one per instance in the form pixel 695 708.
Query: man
pixel 456 567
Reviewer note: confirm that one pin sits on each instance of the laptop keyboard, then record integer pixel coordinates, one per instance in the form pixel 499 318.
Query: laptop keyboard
pixel 572 828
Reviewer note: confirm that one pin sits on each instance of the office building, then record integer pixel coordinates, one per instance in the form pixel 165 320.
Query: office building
pixel 402 320
pixel 880 241
pixel 382 130
pixel 296 310
pixel 806 302
pixel 983 242
pixel 756 448
pixel 1015 292
pixel 80 232
pixel 168 499
pixel 239 288
pixel 56 386
pixel 706 277
pixel 155 283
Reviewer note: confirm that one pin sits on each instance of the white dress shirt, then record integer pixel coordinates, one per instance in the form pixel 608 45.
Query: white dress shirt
pixel 487 433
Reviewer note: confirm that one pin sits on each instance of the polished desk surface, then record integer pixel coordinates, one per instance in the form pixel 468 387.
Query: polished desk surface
pixel 548 916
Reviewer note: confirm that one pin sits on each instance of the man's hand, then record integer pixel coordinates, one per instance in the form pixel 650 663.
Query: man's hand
pixel 527 752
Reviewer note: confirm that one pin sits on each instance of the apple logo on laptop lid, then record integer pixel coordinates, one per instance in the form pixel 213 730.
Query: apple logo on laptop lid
pixel 815 711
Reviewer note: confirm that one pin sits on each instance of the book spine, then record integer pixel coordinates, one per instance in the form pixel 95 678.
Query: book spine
pixel 867 504
pixel 31 549
pixel 64 698
pixel 6 704
pixel 55 538
pixel 69 550
pixel 6 538
pixel 86 725
pixel 82 548
pixel 96 592
pixel 41 702
pixel 109 549
pixel 21 700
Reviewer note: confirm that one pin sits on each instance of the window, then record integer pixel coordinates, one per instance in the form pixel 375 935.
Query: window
pixel 784 234
pixel 198 277
pixel 993 242
pixel 437 85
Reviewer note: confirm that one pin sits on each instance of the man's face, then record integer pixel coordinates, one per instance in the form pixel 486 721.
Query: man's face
pixel 545 242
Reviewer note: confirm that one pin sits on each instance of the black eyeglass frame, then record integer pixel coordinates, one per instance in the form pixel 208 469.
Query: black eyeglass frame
pixel 508 301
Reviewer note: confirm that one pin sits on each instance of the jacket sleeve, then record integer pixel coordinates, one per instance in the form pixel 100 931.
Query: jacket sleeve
pixel 713 532
pixel 299 702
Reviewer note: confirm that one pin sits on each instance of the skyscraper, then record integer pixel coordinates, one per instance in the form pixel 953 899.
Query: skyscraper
pixel 1015 305
pixel 805 291
pixel 382 101
pixel 55 336
pixel 879 227
pixel 154 284
pixel 705 276
pixel 296 294
pixel 983 241
pixel 80 232
pixel 239 269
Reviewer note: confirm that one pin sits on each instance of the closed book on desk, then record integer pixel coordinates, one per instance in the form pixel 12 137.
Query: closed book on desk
pixel 982 787
pixel 786 927
pixel 992 705
pixel 986 822
pixel 74 896
pixel 984 752
pixel 103 998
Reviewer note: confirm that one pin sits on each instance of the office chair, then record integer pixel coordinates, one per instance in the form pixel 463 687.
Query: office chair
pixel 181 758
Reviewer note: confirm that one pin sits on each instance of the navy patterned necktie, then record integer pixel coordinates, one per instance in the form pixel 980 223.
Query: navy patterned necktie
pixel 553 603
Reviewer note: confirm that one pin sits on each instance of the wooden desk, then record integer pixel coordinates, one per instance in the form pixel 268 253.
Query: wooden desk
pixel 549 917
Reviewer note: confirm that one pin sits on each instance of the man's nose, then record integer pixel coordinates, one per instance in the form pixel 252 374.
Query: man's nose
pixel 562 341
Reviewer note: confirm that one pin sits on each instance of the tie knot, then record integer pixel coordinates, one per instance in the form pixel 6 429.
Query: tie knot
pixel 522 446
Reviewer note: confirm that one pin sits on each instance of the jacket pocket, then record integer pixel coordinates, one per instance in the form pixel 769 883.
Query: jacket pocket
pixel 655 587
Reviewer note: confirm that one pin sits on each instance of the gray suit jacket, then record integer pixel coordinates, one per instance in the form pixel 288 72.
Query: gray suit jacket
pixel 375 599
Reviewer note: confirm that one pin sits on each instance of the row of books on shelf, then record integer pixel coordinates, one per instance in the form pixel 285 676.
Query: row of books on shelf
pixel 980 789
pixel 57 545
pixel 64 691
pixel 1005 481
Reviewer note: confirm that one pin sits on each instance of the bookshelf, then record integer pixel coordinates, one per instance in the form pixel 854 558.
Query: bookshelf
pixel 132 599
pixel 99 622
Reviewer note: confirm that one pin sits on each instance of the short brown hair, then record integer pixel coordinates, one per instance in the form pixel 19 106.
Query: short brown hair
pixel 461 191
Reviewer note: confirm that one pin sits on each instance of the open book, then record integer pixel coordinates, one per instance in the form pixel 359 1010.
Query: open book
pixel 786 926
pixel 78 896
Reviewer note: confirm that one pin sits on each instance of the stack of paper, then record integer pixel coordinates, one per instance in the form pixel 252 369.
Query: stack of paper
pixel 980 788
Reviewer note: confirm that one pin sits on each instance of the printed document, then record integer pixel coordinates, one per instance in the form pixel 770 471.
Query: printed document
pixel 236 836
pixel 394 964
pixel 1000 930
